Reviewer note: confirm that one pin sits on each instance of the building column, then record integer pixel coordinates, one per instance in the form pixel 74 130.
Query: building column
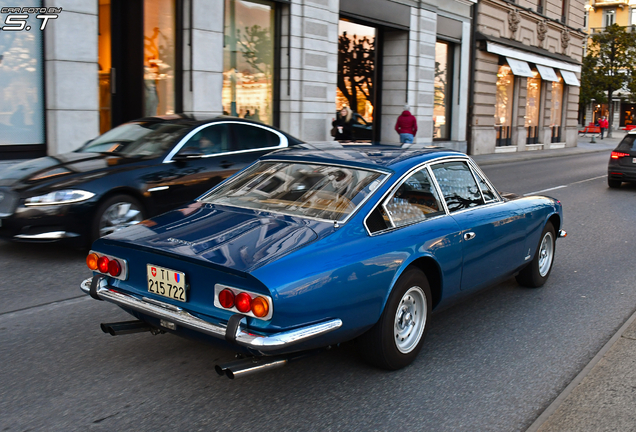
pixel 71 76
pixel 203 70
pixel 309 68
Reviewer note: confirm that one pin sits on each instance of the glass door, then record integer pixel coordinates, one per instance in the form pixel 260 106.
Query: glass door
pixel 357 74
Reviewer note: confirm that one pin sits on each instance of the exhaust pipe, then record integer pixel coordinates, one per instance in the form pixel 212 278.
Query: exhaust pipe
pixel 125 327
pixel 249 366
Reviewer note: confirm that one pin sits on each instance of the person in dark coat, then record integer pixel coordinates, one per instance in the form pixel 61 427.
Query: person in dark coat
pixel 406 126
pixel 343 125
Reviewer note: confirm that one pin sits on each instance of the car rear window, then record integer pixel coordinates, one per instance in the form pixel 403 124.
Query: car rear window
pixel 627 144
pixel 318 191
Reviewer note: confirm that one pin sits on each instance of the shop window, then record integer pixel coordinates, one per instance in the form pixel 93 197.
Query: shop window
pixel 356 75
pixel 556 109
pixel 533 99
pixel 632 16
pixel 503 105
pixel 248 60
pixel 443 90
pixel 21 86
pixel 159 57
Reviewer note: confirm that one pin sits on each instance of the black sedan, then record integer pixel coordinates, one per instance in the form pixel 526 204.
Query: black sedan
pixel 622 163
pixel 132 172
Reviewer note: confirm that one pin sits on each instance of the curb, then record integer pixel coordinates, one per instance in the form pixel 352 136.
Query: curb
pixel 551 409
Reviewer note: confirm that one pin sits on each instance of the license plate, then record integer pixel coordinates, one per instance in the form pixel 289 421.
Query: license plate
pixel 166 282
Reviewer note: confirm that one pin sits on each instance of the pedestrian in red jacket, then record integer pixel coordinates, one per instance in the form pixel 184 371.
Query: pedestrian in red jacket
pixel 406 126
pixel 604 124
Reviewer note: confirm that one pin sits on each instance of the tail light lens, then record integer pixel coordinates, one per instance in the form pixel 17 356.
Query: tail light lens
pixel 243 302
pixel 246 302
pixel 618 155
pixel 226 298
pixel 91 261
pixel 114 268
pixel 102 264
pixel 260 307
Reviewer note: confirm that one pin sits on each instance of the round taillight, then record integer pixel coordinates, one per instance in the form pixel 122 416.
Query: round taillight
pixel 114 268
pixel 260 307
pixel 226 298
pixel 243 302
pixel 102 264
pixel 91 261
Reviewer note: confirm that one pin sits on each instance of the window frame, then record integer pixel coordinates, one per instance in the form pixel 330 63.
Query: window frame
pixel 284 142
pixel 428 166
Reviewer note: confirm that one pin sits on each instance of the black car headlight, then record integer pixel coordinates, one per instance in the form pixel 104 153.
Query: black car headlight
pixel 59 197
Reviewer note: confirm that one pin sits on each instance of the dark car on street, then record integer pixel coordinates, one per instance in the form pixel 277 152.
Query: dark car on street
pixel 622 163
pixel 134 171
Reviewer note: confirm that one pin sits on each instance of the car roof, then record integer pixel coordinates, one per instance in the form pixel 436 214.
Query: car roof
pixel 187 120
pixel 364 156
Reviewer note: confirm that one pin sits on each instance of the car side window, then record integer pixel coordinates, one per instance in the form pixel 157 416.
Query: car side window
pixel 249 137
pixel 487 192
pixel 457 185
pixel 414 200
pixel 208 141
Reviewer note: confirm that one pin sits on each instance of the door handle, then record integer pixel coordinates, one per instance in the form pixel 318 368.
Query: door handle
pixel 469 235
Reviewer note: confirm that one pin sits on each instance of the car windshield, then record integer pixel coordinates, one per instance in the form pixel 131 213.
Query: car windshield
pixel 137 139
pixel 628 143
pixel 299 189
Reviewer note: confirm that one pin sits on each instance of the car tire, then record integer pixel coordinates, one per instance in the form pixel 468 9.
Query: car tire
pixel 614 184
pixel 397 338
pixel 537 272
pixel 115 213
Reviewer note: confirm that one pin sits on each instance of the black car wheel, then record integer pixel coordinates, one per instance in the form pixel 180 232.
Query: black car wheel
pixel 614 183
pixel 397 338
pixel 536 273
pixel 116 213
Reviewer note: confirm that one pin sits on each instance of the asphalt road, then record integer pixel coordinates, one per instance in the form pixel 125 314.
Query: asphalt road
pixel 491 363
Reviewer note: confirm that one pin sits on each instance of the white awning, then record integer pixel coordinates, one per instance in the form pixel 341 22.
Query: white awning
pixel 570 78
pixel 547 73
pixel 530 57
pixel 520 68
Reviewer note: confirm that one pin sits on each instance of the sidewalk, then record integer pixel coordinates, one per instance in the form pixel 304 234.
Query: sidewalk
pixel 603 396
pixel 583 146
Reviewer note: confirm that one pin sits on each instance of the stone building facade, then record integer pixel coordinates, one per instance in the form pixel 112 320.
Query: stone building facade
pixel 105 62
pixel 526 75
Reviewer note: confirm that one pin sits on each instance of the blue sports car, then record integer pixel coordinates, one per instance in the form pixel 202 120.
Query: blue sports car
pixel 307 248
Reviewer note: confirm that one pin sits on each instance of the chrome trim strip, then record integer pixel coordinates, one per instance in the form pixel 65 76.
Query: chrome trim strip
pixel 158 188
pixel 53 235
pixel 284 142
pixel 244 337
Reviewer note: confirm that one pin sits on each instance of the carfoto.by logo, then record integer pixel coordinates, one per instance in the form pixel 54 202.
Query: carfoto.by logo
pixel 17 17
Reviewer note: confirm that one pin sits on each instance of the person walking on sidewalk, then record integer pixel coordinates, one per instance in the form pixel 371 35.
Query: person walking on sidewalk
pixel 603 124
pixel 406 126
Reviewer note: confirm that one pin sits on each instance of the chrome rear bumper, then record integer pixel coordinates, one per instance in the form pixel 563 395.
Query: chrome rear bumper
pixel 178 316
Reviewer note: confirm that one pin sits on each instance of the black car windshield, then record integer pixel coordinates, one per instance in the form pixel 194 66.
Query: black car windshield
pixel 299 189
pixel 628 143
pixel 137 139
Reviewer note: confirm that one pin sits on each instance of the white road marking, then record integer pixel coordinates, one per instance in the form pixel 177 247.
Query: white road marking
pixel 564 186
pixel 546 190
